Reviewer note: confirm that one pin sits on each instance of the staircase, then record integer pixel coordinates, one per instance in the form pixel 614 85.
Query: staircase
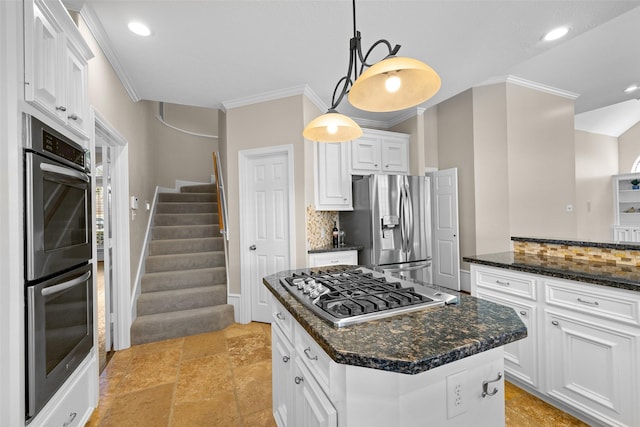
pixel 183 290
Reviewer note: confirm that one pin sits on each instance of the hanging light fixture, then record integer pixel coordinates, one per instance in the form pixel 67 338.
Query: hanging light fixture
pixel 395 83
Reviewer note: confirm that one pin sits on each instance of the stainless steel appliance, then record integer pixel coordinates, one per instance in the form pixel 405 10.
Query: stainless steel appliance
pixel 391 219
pixel 346 296
pixel 58 250
pixel 57 201
pixel 59 332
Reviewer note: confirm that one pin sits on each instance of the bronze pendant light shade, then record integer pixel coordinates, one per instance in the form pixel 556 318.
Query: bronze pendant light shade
pixel 393 84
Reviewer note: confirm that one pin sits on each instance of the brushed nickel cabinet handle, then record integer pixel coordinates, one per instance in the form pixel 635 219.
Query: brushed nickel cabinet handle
pixel 499 282
pixel 587 302
pixel 307 352
pixel 285 359
pixel 73 117
pixel 485 386
pixel 280 316
pixel 298 380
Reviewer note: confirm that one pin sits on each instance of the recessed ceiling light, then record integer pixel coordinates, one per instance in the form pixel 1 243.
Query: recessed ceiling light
pixel 556 34
pixel 631 88
pixel 139 28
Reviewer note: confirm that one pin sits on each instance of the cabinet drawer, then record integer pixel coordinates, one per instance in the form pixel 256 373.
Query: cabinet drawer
pixel 594 300
pixel 282 318
pixel 313 356
pixel 507 281
pixel 333 258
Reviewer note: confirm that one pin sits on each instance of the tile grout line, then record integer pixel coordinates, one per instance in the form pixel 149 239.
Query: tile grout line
pixel 175 385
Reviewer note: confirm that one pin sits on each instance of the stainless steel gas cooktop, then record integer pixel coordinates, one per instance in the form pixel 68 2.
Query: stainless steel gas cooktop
pixel 347 297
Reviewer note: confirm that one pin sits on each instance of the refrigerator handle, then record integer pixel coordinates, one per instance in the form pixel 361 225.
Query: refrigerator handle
pixel 409 215
pixel 403 224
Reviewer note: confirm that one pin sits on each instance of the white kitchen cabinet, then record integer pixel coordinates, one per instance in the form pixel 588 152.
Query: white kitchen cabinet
pixel 313 407
pixel 380 152
pixel 626 234
pixel 282 366
pixel 333 258
pixel 332 177
pixel 55 69
pixel 591 366
pixel 583 342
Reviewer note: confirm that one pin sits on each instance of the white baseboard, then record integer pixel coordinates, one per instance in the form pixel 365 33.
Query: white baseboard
pixel 236 301
pixel 465 280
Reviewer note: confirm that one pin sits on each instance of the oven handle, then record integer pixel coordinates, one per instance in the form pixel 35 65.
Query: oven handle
pixel 47 167
pixel 66 285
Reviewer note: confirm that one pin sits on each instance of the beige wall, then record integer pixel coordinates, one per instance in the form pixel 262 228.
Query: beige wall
pixel 273 123
pixel 179 155
pixel 629 148
pixel 596 161
pixel 455 150
pixel 131 119
pixel 430 119
pixel 491 167
pixel 540 134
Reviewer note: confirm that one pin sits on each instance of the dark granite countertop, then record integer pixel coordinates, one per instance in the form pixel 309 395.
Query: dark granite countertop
pixel 586 243
pixel 598 273
pixel 331 248
pixel 408 343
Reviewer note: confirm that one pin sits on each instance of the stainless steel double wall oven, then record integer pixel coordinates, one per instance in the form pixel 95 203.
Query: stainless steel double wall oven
pixel 58 251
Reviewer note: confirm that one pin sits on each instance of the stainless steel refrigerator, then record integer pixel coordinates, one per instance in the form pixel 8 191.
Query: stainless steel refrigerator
pixel 391 219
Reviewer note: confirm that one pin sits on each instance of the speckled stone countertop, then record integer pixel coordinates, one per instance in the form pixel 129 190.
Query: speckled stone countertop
pixel 616 276
pixel 331 248
pixel 408 343
pixel 586 243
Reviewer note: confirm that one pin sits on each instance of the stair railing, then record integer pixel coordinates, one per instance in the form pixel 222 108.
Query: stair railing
pixel 222 203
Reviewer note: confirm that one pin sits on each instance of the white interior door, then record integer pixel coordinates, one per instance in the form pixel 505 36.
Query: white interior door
pixel 267 224
pixel 446 259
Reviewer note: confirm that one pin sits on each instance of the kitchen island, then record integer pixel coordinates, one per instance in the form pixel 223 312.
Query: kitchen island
pixel 427 366
pixel 581 303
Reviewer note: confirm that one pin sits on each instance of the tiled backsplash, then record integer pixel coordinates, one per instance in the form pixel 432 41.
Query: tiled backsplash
pixel 319 227
pixel 583 253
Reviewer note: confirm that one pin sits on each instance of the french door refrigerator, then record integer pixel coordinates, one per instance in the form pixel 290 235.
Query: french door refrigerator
pixel 391 219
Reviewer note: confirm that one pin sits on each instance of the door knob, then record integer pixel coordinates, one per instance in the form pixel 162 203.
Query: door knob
pixel 252 247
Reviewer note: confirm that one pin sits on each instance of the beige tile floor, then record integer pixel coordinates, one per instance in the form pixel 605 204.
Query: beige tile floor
pixel 224 379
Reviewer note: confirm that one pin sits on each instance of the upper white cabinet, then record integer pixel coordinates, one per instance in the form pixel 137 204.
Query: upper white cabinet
pixel 380 152
pixel 56 59
pixel 626 208
pixel 332 178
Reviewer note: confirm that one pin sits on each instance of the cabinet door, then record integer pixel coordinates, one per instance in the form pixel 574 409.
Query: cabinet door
pixel 394 154
pixel 282 364
pixel 333 181
pixel 333 258
pixel 621 234
pixel 520 357
pixel 44 83
pixel 592 367
pixel 365 155
pixel 76 89
pixel 313 408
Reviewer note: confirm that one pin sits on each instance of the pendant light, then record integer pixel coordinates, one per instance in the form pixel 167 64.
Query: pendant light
pixel 393 84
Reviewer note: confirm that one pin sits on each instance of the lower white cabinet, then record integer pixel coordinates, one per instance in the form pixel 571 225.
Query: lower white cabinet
pixel 282 368
pixel 333 258
pixel 626 233
pixel 583 344
pixel 312 407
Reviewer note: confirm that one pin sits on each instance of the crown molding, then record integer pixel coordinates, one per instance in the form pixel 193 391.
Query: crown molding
pixel 93 23
pixel 406 115
pixel 531 85
pixel 267 96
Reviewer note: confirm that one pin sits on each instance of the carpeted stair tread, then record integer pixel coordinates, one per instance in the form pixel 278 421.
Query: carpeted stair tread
pixel 184 231
pixel 187 197
pixel 185 219
pixel 189 207
pixel 181 299
pixel 183 246
pixel 162 326
pixel 156 263
pixel 179 279
pixel 199 188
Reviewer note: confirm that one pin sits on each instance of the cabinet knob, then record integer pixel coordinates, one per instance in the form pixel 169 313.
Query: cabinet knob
pixel 285 359
pixel 61 108
pixel 298 380
pixel 280 316
pixel 522 312
pixel 252 248
pixel 555 322
pixel 375 165
pixel 73 117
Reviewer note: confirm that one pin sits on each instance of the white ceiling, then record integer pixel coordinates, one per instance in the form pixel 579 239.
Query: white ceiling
pixel 215 53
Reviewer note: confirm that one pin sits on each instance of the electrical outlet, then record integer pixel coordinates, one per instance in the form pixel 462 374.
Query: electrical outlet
pixel 457 394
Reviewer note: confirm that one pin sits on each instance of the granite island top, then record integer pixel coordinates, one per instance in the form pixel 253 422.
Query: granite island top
pixel 598 273
pixel 408 343
pixel 331 248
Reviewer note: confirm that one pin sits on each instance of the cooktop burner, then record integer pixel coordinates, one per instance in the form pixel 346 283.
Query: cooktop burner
pixel 347 297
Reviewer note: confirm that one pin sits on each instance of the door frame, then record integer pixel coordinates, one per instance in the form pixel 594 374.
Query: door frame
pixel 244 159
pixel 121 304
